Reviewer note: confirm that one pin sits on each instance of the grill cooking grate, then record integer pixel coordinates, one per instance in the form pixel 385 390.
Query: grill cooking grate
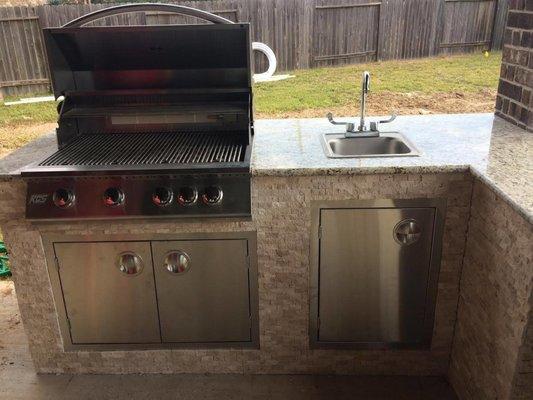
pixel 149 149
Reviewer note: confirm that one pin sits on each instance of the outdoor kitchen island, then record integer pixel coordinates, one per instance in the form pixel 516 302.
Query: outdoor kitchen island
pixel 478 164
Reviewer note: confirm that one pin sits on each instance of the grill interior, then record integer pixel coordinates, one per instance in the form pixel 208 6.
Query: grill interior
pixel 149 149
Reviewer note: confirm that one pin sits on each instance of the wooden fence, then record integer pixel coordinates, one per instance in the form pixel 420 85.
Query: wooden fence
pixel 302 33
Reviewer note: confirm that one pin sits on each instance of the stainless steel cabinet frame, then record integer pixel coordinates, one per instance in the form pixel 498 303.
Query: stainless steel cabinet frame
pixel 377 286
pixel 126 323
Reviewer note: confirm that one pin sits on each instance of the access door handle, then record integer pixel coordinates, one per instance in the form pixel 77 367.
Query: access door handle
pixel 177 262
pixel 130 263
pixel 407 232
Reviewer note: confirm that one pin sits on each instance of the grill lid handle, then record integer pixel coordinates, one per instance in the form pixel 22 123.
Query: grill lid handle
pixel 129 8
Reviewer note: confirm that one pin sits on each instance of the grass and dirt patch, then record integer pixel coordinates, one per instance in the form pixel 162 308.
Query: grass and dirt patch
pixel 465 83
pixel 455 84
pixel 20 124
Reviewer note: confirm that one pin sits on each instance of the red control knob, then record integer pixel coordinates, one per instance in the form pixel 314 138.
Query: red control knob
pixel 212 195
pixel 113 197
pixel 162 196
pixel 63 198
pixel 187 196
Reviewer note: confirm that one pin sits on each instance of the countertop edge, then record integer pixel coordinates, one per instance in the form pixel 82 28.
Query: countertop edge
pixel 300 172
pixel 522 211
pixel 359 170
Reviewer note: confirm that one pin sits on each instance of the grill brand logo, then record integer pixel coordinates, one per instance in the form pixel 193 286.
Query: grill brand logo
pixel 39 198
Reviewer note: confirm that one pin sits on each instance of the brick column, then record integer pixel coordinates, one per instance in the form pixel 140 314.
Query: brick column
pixel 515 91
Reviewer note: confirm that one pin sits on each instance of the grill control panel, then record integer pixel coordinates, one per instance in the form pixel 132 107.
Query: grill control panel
pixel 216 195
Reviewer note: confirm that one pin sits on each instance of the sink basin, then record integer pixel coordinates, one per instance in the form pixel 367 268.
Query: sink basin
pixel 387 144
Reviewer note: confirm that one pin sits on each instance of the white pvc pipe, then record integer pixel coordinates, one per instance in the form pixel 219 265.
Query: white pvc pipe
pixel 272 62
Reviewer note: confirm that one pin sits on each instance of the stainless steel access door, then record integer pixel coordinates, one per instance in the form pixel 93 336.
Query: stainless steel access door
pixel 203 290
pixel 109 292
pixel 374 274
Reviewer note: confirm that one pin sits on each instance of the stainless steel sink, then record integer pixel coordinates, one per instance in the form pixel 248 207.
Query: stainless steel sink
pixel 387 144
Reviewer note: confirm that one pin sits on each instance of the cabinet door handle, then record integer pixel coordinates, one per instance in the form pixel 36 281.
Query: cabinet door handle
pixel 407 232
pixel 130 263
pixel 177 262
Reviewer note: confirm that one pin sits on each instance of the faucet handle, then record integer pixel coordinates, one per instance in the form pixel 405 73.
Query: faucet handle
pixel 349 125
pixel 386 121
pixel 374 125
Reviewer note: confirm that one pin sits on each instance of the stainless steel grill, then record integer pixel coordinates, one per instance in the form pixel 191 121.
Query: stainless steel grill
pixel 155 121
pixel 149 149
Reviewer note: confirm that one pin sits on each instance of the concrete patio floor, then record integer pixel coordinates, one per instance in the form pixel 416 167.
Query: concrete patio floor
pixel 18 380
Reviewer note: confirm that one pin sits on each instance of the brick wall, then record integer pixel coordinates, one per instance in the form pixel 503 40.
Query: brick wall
pixel 490 355
pixel 515 91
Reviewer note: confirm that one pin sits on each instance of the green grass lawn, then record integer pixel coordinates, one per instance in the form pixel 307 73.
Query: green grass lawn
pixel 27 114
pixel 336 86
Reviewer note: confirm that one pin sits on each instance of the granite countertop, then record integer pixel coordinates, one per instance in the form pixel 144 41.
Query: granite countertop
pixel 34 151
pixel 495 151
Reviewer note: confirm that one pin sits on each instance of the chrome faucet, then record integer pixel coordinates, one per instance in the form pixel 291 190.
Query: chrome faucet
pixel 362 131
pixel 365 86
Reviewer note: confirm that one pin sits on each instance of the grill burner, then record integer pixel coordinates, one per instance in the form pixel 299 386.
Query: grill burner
pixel 149 149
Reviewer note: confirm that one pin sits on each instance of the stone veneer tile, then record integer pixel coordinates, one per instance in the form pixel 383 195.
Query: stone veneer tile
pixel 281 217
pixel 523 383
pixel 494 305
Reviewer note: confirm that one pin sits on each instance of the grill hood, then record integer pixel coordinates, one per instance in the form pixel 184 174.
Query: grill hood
pixel 154 58
pixel 165 78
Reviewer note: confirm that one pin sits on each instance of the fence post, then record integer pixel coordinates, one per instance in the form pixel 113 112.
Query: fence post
pixel 309 18
pixel 383 10
pixel 45 56
pixel 492 29
pixel 439 26
pixel 498 27
pixel 378 41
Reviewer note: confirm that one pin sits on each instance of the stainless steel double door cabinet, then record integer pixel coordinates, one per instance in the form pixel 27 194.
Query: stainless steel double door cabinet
pixel 149 292
pixel 375 276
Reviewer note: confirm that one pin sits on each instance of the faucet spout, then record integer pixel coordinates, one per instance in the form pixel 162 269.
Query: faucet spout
pixel 365 87
pixel 361 129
